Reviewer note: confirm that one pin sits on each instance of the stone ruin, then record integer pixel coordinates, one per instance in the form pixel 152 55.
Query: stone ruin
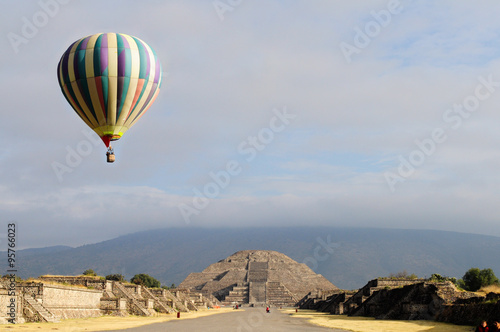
pixel 258 278
pixel 52 298
pixel 407 299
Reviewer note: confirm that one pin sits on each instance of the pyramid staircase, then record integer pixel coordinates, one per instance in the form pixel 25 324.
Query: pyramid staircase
pixel 160 305
pixel 135 303
pixel 238 294
pixel 188 303
pixel 257 278
pixel 39 309
pixel 278 295
pixel 177 303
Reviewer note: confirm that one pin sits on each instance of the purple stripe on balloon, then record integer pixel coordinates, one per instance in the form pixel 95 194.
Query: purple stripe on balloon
pixel 148 62
pixel 157 71
pixel 122 63
pixel 104 40
pixel 151 94
pixel 84 43
pixel 75 64
pixel 103 57
pixel 125 42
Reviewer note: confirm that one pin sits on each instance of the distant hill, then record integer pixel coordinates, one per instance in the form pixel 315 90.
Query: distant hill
pixel 354 256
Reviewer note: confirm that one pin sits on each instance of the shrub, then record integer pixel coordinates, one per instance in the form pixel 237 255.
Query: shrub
pixel 437 277
pixel 145 280
pixel 89 272
pixel 115 277
pixel 167 287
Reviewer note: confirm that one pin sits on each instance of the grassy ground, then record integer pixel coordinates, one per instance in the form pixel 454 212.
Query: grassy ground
pixel 108 322
pixel 487 289
pixel 366 324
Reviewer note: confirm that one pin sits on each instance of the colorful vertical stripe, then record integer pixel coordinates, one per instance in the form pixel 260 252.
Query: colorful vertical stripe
pixel 110 80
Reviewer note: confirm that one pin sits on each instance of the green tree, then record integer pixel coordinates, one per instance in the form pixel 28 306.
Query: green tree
pixel 145 280
pixel 475 278
pixel 115 277
pixel 89 272
pixel 488 277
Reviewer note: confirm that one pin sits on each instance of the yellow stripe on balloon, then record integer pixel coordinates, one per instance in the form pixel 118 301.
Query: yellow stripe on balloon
pixel 71 68
pixel 112 93
pixel 89 57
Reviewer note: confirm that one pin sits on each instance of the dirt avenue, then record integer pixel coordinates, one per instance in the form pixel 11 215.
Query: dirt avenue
pixel 245 319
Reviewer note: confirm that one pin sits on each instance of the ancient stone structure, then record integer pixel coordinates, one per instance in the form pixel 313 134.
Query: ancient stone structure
pixel 372 287
pixel 408 299
pixel 472 310
pixel 332 302
pixel 38 302
pixel 60 297
pixel 257 277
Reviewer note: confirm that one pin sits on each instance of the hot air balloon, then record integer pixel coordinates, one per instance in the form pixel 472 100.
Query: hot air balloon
pixel 110 80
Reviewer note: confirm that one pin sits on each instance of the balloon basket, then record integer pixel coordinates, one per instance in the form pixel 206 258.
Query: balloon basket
pixel 110 157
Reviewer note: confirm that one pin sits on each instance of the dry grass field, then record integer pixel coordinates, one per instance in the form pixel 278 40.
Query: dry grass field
pixel 365 324
pixel 488 289
pixel 108 322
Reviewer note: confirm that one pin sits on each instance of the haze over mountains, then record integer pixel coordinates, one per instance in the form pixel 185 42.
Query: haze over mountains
pixel 348 257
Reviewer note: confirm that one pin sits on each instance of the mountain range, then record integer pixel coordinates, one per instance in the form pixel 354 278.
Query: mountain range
pixel 348 257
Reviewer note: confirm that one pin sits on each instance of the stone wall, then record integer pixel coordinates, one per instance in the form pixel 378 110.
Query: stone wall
pixel 394 282
pixel 114 306
pixel 472 311
pixel 85 281
pixel 71 302
pixel 34 289
pixel 6 312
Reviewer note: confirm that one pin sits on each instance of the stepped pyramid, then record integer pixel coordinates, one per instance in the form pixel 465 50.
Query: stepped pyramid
pixel 257 277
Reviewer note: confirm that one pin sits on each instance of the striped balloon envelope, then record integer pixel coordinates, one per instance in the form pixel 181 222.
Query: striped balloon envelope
pixel 110 80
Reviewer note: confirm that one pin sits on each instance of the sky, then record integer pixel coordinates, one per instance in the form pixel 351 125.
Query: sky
pixel 286 113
